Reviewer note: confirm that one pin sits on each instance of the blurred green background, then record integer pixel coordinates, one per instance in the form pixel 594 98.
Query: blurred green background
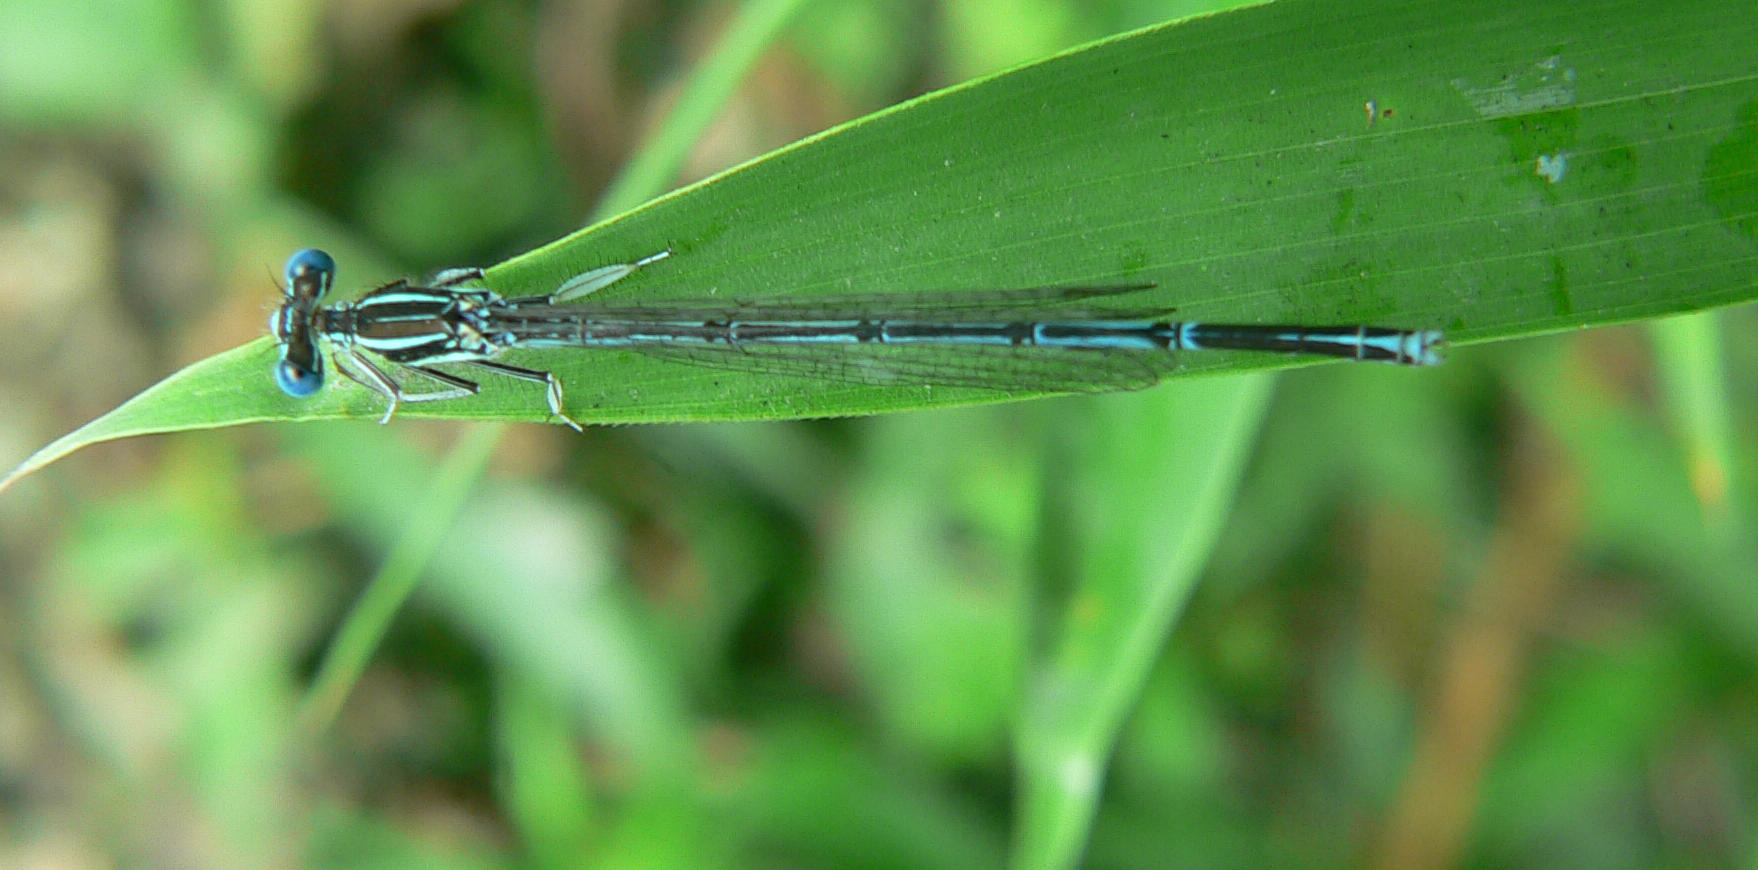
pixel 1503 613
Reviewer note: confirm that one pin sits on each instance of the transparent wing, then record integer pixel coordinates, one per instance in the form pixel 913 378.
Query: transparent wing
pixel 991 368
pixel 1032 303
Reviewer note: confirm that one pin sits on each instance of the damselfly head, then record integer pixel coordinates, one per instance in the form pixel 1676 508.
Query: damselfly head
pixel 300 372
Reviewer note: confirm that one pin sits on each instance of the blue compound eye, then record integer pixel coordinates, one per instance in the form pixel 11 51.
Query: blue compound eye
pixel 298 381
pixel 310 264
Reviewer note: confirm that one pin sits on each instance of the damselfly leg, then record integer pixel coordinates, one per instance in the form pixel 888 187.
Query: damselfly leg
pixel 593 280
pixel 374 378
pixel 552 386
pixel 377 380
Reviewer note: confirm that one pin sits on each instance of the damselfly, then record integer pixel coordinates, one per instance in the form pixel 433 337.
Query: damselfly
pixel 1042 339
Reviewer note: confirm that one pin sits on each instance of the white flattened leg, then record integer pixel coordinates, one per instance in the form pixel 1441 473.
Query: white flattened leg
pixel 457 276
pixel 594 280
pixel 552 387
pixel 554 394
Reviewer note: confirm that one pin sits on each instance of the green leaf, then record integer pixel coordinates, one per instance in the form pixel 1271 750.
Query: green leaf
pixel 1494 170
pixel 1149 509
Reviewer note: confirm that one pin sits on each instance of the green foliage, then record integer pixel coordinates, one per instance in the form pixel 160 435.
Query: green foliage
pixel 1455 616
pixel 1511 176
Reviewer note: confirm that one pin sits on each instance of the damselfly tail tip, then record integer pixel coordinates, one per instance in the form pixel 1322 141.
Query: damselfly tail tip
pixel 1423 347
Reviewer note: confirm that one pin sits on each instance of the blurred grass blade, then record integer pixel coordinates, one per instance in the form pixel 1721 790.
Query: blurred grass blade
pixel 544 782
pixel 1495 170
pixel 1153 493
pixel 711 85
pixel 427 523
pixel 1689 354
